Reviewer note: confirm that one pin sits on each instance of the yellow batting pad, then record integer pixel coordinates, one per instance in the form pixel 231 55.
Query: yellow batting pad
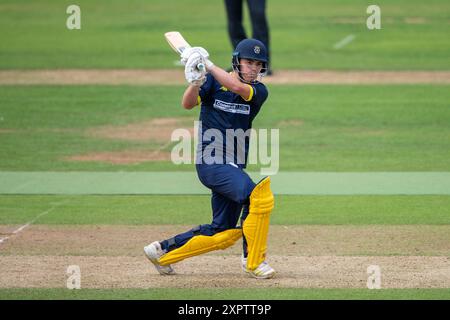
pixel 202 244
pixel 256 225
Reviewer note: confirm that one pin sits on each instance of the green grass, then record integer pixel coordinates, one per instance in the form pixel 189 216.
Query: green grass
pixel 118 34
pixel 227 294
pixel 289 210
pixel 332 128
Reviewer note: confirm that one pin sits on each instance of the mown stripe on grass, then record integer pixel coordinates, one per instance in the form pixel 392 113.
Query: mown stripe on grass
pixel 180 183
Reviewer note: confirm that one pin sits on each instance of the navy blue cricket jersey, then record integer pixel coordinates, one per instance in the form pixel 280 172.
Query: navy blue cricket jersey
pixel 222 109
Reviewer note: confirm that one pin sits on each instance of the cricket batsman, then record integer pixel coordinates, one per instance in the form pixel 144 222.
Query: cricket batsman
pixel 228 101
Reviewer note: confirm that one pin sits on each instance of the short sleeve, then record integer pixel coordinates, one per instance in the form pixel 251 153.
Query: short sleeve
pixel 260 94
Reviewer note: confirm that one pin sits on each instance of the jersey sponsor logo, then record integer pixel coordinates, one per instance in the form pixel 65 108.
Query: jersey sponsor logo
pixel 232 107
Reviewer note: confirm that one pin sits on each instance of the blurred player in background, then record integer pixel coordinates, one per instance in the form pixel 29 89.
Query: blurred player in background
pixel 260 26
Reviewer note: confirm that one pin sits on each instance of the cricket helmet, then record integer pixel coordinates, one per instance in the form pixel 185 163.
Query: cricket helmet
pixel 250 49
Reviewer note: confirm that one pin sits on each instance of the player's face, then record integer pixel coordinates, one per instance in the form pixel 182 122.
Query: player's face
pixel 250 69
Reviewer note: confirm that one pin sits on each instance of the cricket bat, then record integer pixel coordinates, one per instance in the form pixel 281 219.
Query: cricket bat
pixel 179 44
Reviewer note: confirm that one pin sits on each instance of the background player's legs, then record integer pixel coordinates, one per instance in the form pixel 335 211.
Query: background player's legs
pixel 260 26
pixel 234 18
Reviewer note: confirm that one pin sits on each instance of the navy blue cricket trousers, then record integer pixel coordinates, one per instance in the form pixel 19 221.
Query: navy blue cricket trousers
pixel 230 191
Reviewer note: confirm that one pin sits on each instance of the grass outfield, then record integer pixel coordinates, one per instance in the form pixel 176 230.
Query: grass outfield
pixel 322 127
pixel 226 294
pixel 118 34
pixel 290 210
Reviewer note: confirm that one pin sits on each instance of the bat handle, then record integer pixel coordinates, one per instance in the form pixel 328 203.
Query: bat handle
pixel 201 67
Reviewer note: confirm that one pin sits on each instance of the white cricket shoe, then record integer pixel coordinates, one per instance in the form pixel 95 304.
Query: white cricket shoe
pixel 264 271
pixel 153 252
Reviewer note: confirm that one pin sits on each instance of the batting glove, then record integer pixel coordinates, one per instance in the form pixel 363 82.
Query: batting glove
pixel 190 51
pixel 194 76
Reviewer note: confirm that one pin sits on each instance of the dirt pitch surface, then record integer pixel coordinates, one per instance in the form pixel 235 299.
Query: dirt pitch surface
pixel 176 76
pixel 304 257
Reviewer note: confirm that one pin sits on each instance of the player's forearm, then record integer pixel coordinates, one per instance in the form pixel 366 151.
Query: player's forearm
pixel 229 81
pixel 190 97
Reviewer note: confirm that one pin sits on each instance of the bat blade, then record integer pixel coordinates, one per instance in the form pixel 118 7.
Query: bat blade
pixel 176 41
pixel 179 44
